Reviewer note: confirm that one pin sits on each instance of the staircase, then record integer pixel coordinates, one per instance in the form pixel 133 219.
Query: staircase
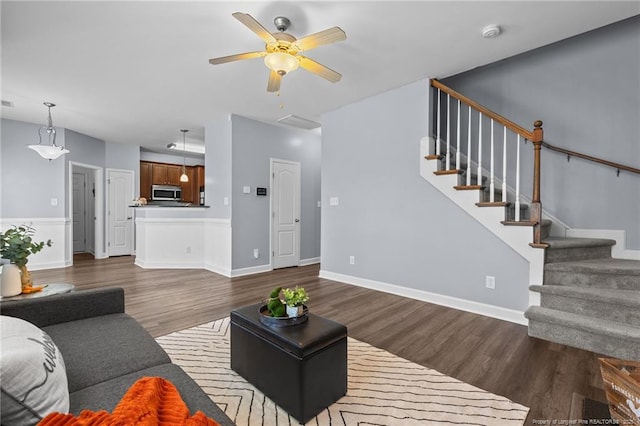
pixel 579 295
pixel 588 299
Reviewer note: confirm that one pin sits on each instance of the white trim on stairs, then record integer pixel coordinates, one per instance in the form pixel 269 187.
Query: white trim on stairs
pixel 497 312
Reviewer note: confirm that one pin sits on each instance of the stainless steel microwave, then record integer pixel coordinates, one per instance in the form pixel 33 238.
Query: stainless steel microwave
pixel 166 193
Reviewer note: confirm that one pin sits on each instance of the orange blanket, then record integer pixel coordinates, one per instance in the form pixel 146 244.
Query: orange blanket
pixel 150 401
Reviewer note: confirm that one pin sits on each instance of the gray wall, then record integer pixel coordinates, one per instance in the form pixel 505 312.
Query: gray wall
pixel 254 143
pixel 586 90
pixel 400 229
pixel 28 181
pixel 217 168
pixel 124 157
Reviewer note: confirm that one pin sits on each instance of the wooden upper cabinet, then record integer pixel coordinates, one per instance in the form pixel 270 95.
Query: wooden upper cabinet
pixel 159 174
pixel 145 180
pixel 173 175
pixel 165 174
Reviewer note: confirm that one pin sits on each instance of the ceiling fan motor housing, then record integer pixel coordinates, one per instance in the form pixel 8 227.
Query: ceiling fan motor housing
pixel 281 23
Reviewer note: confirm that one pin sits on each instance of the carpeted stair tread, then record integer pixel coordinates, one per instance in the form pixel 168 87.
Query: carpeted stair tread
pixel 598 266
pixel 629 298
pixel 565 243
pixel 580 322
pixel 611 338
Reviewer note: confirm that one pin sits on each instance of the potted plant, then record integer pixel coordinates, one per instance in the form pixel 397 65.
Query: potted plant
pixel 274 304
pixel 16 245
pixel 295 298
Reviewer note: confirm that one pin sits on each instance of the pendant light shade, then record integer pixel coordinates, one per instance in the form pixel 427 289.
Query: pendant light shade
pixel 183 176
pixel 50 151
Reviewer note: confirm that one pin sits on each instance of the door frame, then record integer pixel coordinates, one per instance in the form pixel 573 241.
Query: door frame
pixel 84 213
pixel 271 225
pixel 108 203
pixel 98 209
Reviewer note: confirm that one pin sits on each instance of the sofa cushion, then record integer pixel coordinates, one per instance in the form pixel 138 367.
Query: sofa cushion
pixel 101 348
pixel 34 381
pixel 106 395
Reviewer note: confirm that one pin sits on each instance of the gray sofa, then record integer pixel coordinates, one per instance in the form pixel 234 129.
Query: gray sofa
pixel 105 350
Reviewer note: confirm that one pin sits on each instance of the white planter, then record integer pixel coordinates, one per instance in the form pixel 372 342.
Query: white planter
pixel 10 283
pixel 294 311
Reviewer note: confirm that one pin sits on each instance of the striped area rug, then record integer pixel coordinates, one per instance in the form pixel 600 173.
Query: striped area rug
pixel 383 389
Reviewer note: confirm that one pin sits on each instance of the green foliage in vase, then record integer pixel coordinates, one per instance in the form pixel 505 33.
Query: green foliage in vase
pixel 296 296
pixel 16 244
pixel 275 306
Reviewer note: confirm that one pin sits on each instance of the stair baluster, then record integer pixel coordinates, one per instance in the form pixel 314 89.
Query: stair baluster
pixel 517 205
pixel 448 160
pixel 491 182
pixel 469 149
pixel 439 121
pixel 479 172
pixel 458 138
pixel 504 166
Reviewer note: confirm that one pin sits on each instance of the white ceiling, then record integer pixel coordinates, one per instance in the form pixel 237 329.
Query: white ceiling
pixel 137 72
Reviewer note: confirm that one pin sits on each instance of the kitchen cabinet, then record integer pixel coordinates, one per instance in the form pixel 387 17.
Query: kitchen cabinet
pixel 152 173
pixel 189 195
pixel 199 181
pixel 165 174
pixel 145 180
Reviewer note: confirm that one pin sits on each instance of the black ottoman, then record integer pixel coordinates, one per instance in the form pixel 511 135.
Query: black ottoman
pixel 302 368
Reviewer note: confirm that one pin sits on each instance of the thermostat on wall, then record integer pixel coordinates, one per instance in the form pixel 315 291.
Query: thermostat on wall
pixel 261 191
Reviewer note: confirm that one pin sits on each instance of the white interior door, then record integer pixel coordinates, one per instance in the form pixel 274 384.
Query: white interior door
pixel 119 214
pixel 285 214
pixel 79 213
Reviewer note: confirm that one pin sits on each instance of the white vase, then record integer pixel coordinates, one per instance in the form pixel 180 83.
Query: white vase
pixel 10 283
pixel 294 311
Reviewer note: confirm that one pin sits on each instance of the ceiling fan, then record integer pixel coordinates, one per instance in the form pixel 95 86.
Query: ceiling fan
pixel 282 50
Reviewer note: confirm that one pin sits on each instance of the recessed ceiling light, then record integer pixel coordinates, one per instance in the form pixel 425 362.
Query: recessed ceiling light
pixel 491 31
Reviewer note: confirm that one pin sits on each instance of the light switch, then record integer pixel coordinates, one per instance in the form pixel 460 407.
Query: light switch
pixel 334 201
pixel 319 204
pixel 246 190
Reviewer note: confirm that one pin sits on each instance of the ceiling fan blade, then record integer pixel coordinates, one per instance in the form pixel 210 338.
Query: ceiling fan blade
pixel 254 26
pixel 231 58
pixel 274 82
pixel 319 69
pixel 312 41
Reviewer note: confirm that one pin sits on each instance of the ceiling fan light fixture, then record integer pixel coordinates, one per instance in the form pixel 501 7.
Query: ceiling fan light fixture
pixel 281 62
pixel 51 151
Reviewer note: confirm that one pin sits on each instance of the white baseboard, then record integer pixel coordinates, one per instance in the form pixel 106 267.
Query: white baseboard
pixel 618 251
pixel 167 265
pixel 218 269
pixel 250 270
pixel 425 296
pixel 309 261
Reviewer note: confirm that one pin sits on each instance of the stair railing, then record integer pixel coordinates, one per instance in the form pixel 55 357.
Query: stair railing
pixel 521 135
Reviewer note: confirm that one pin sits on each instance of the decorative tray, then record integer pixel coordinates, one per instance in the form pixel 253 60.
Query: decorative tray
pixel 282 321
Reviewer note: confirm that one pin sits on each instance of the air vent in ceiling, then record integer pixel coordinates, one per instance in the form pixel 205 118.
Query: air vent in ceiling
pixel 295 121
pixel 7 103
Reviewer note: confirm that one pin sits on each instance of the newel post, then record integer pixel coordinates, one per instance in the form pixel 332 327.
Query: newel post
pixel 536 204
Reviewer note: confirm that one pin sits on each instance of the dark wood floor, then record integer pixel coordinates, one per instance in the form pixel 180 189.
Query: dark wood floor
pixel 494 355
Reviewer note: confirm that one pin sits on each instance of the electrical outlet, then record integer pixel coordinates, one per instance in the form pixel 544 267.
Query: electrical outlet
pixel 334 201
pixel 352 260
pixel 225 201
pixel 256 253
pixel 188 249
pixel 54 201
pixel 490 282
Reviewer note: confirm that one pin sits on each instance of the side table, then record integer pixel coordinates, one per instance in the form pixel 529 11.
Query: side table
pixel 48 290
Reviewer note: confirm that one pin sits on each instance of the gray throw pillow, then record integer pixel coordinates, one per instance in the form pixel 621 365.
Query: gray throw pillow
pixel 34 379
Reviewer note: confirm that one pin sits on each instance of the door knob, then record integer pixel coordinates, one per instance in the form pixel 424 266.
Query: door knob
pixel 297 220
pixel 129 218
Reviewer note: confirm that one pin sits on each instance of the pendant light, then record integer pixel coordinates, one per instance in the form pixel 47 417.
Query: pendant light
pixel 50 151
pixel 184 177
